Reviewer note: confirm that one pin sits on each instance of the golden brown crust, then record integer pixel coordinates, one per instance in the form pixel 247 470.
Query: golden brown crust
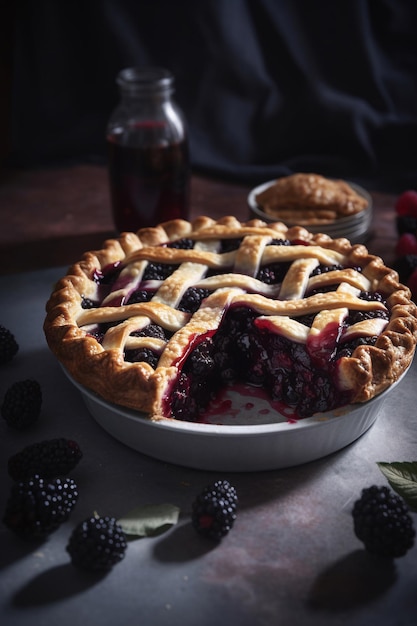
pixel 310 199
pixel 370 370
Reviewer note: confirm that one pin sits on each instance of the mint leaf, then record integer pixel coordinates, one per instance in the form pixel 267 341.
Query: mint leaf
pixel 145 521
pixel 403 479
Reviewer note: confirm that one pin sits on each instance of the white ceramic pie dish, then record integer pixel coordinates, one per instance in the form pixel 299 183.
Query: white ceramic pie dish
pixel 354 227
pixel 251 437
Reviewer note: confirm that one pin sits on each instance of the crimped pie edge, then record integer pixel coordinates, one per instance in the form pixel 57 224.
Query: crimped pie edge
pixel 370 370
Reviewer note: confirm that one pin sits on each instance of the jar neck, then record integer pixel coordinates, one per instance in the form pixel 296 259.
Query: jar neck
pixel 151 84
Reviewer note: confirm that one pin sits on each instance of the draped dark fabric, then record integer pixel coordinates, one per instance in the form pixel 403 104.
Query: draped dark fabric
pixel 268 87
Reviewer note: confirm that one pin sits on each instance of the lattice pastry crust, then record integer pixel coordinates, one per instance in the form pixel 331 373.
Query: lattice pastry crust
pixel 230 279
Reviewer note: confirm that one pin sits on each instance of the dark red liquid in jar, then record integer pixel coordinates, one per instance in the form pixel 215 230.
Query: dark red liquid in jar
pixel 149 184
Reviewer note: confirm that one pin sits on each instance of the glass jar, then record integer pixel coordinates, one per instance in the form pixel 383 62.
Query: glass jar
pixel 148 154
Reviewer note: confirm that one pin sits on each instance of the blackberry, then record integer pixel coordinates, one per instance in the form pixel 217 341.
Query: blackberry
pixel 214 510
pixel 145 355
pixel 266 275
pixel 383 523
pixel 229 245
pixel 37 507
pixel 140 295
pixel 182 404
pixel 372 296
pixel 405 266
pixel 97 334
pixel 323 269
pixel 8 345
pixel 158 271
pixel 87 303
pixel 22 404
pixel 183 244
pixel 97 544
pixel 151 330
pixel 201 362
pixel 49 459
pixel 348 347
pixel 273 274
pixel 191 300
pixel 360 316
pixel 406 224
pixel 279 242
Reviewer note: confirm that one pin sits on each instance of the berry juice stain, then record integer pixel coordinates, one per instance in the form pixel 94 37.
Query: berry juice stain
pixel 232 406
pixel 148 184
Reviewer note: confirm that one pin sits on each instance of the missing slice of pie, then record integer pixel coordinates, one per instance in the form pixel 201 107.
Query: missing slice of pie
pixel 161 320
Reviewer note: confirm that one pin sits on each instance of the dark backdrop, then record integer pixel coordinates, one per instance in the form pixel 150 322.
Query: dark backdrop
pixel 268 86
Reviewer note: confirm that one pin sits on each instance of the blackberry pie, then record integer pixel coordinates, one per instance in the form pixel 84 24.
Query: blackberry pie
pixel 162 320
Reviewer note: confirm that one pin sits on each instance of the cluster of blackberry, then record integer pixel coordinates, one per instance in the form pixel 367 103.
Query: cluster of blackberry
pixel 40 499
pixel 37 507
pixel 297 382
pixel 22 402
pixel 346 348
pixel 42 496
pixel 146 354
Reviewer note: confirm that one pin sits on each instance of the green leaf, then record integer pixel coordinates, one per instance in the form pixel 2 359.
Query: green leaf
pixel 145 521
pixel 403 479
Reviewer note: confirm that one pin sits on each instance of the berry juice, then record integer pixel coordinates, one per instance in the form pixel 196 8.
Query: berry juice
pixel 149 184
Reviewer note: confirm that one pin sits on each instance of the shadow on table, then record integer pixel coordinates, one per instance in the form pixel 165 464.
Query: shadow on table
pixel 182 544
pixel 54 585
pixel 354 580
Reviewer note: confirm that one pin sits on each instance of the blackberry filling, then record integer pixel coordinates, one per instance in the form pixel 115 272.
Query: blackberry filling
pixel 228 245
pixel 99 331
pixel 191 300
pixel 275 272
pixel 140 295
pixel 108 274
pixel 242 352
pixel 144 353
pixel 197 384
pixel 87 303
pixel 182 244
pixel 300 375
pixel 323 269
pixel 158 271
pixel 294 379
pixel 348 347
pixel 279 309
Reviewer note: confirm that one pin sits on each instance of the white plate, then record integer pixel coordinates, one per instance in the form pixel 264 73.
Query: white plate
pixel 354 227
pixel 251 437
